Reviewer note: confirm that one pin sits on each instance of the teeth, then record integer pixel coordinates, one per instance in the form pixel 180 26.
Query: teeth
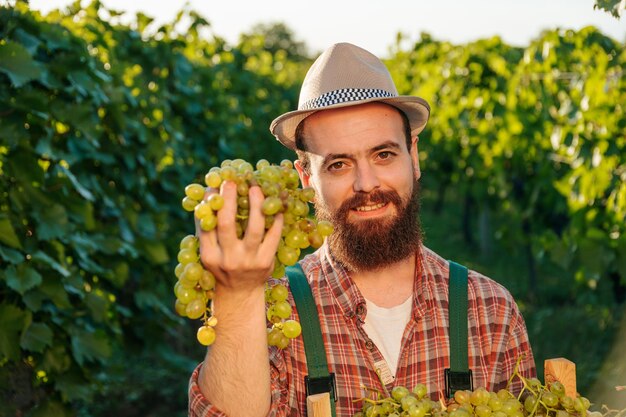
pixel 370 208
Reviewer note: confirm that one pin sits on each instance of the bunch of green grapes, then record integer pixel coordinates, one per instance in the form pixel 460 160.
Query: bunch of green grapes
pixel 535 400
pixel 194 289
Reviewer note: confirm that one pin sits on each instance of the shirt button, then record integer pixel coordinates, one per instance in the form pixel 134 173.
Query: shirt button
pixel 360 309
pixel 369 344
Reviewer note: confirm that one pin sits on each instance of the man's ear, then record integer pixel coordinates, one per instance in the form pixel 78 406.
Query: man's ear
pixel 304 176
pixel 415 157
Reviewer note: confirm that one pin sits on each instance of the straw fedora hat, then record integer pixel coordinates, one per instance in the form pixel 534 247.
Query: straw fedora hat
pixel 347 75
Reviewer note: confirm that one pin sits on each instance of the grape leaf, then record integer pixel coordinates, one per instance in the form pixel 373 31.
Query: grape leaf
pixel 90 346
pixel 22 278
pixel 7 234
pixel 18 64
pixel 12 322
pixel 36 337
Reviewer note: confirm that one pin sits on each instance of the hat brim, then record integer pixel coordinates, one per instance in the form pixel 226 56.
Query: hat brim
pixel 416 109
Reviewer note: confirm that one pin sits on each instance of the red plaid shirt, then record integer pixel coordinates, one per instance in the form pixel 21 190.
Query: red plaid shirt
pixel 496 339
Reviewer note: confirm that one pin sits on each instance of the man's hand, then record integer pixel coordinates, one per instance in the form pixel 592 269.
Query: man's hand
pixel 241 268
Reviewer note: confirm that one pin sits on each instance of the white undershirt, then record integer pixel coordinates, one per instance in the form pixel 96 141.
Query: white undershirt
pixel 385 326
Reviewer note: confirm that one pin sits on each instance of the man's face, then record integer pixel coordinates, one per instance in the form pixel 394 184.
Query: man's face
pixel 365 180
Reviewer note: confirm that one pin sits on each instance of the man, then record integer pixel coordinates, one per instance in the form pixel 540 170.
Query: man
pixel 382 296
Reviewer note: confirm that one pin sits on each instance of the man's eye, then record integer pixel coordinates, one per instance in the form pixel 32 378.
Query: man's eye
pixel 336 165
pixel 385 155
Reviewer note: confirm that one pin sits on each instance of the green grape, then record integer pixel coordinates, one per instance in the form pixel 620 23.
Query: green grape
pixel 206 335
pixel 180 308
pixel 216 201
pixel 462 396
pixel 208 223
pixel 283 341
pixel 279 270
pixel 530 402
pixel 271 206
pixel 243 202
pixel 213 179
pixel 186 295
pixel 279 293
pixel 288 255
pixel 262 163
pixel 307 194
pixel 196 308
pixel 282 309
pixel 297 239
pixel 207 280
pixel 420 390
pixel 557 389
pixel 186 256
pixel 274 336
pixel 189 242
pixel 189 203
pixel 203 210
pixel 550 399
pixel 407 402
pixel 495 403
pixel 399 392
pixel 483 410
pixel 479 396
pixel 291 329
pixel 194 191
pixel 179 270
pixel 325 228
pixel 193 272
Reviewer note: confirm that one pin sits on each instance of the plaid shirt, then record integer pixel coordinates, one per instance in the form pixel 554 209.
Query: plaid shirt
pixel 496 338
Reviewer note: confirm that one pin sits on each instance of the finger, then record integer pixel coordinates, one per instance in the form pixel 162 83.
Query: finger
pixel 256 220
pixel 272 238
pixel 226 216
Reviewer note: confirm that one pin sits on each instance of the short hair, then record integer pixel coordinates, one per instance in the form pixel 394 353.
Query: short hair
pixel 301 150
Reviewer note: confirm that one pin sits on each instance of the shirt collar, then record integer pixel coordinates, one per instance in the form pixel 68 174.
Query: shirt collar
pixel 351 301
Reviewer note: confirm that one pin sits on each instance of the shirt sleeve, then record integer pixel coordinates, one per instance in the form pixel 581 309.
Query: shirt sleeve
pixel 199 405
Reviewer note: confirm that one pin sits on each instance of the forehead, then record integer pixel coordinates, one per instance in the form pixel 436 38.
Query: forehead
pixel 353 129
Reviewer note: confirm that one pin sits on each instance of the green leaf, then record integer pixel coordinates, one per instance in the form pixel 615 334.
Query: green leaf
pixel 90 346
pixel 36 337
pixel 53 222
pixel 18 64
pixel 73 386
pixel 22 278
pixel 7 233
pixel 29 41
pixel 85 193
pixel 56 359
pixel 54 290
pixel 97 305
pixel 41 256
pixel 11 255
pixel 12 322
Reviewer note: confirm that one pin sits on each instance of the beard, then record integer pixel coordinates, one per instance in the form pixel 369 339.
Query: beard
pixel 368 245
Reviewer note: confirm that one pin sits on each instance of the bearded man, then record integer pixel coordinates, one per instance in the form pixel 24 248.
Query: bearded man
pixel 381 295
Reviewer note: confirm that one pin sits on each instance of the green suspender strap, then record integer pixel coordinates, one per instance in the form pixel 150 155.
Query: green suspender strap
pixel 458 376
pixel 319 380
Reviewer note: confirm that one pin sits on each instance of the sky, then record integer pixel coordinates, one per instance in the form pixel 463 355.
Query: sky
pixel 373 25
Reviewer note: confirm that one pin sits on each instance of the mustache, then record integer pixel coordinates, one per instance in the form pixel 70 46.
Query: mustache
pixel 374 197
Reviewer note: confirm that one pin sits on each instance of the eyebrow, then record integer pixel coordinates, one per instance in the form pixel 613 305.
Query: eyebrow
pixel 385 145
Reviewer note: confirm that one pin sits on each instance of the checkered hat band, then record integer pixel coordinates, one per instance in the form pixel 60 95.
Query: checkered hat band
pixel 344 95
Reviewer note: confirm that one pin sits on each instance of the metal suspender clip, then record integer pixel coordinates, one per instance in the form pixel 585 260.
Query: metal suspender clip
pixel 458 381
pixel 321 384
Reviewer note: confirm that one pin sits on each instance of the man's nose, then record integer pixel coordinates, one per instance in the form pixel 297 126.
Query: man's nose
pixel 366 179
